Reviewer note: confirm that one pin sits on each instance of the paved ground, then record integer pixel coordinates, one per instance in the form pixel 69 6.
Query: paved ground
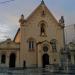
pixel 30 72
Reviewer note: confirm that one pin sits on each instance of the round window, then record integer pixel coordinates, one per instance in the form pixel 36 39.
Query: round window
pixel 45 48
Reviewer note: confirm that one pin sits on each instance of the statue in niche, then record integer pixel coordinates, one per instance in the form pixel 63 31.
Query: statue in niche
pixel 43 29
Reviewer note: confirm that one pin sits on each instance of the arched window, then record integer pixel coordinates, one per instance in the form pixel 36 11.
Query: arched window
pixel 3 59
pixel 31 44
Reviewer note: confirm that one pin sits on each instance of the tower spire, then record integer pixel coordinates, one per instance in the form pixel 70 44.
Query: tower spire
pixel 42 2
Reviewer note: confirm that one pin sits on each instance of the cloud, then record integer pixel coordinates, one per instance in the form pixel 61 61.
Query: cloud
pixel 6 31
pixel 4 28
pixel 10 13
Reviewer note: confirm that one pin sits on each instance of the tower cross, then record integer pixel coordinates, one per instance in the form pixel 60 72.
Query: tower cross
pixel 42 2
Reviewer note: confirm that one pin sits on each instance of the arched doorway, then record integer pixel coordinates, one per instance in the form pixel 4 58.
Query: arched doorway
pixel 45 60
pixel 12 60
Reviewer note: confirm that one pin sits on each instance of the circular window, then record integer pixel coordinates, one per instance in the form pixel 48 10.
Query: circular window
pixel 45 48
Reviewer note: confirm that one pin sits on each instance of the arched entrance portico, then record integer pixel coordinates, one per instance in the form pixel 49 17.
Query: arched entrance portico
pixel 45 60
pixel 12 60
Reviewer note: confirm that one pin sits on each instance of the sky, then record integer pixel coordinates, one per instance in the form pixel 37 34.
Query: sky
pixel 10 11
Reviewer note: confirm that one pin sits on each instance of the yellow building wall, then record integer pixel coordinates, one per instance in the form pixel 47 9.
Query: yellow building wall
pixel 32 29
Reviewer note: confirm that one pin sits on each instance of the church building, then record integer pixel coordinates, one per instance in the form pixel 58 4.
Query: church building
pixel 37 42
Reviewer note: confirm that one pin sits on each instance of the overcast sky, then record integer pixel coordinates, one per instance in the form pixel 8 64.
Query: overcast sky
pixel 10 11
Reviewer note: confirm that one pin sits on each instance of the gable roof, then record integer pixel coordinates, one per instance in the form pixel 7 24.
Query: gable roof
pixel 42 3
pixel 9 45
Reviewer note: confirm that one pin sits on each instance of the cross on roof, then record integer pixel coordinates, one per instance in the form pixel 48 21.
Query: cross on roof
pixel 42 2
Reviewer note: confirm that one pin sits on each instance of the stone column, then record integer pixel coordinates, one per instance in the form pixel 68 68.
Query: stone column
pixel 17 59
pixel 7 59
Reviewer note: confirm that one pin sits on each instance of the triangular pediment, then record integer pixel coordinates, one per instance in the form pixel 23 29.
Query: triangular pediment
pixel 39 10
pixel 9 45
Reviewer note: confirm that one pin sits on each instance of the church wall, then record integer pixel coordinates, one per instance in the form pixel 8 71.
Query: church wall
pixel 53 56
pixel 32 29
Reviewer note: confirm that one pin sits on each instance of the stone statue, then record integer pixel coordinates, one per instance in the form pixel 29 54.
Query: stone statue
pixel 61 21
pixel 42 29
pixel 22 20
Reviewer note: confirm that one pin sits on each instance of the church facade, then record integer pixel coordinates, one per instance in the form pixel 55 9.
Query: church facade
pixel 37 42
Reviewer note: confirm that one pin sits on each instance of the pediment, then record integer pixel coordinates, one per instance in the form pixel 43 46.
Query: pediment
pixel 43 10
pixel 8 44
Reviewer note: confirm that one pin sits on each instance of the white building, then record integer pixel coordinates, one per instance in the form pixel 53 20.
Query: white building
pixel 70 33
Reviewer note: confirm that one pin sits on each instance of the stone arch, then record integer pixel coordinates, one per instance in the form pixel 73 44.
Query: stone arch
pixel 45 60
pixel 12 60
pixel 43 21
